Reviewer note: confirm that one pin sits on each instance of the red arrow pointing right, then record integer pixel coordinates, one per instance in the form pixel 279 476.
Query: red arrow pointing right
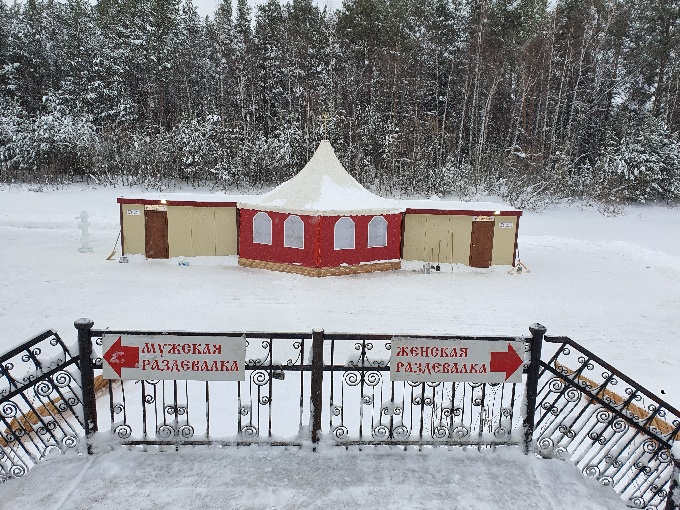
pixel 120 356
pixel 507 362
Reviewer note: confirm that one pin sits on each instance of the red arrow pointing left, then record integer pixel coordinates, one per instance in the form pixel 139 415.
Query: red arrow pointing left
pixel 507 362
pixel 122 356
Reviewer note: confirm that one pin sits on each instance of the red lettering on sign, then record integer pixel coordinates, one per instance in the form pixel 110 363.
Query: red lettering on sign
pixel 400 365
pixel 149 348
pixel 402 351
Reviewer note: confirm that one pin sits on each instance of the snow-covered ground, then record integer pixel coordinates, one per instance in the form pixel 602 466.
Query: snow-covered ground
pixel 610 283
pixel 261 478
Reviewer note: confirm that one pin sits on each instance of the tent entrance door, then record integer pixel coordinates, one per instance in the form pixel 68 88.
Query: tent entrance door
pixel 481 243
pixel 156 234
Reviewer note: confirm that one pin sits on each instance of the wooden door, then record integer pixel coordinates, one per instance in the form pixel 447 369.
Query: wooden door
pixel 156 238
pixel 481 243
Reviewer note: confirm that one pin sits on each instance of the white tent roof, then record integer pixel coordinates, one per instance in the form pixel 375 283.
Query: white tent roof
pixel 323 187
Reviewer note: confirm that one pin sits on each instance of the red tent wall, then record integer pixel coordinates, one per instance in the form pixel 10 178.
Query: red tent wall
pixel 276 252
pixel 330 257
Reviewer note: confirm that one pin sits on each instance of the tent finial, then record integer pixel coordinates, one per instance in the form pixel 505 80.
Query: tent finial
pixel 324 117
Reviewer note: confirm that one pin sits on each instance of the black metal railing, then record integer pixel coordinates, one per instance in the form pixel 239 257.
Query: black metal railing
pixel 612 428
pixel 336 388
pixel 315 386
pixel 40 402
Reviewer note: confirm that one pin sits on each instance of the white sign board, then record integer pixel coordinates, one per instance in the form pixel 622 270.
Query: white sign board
pixel 156 207
pixel 134 212
pixel 429 359
pixel 148 357
pixel 506 225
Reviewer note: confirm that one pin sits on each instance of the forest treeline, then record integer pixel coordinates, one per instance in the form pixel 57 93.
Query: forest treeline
pixel 577 99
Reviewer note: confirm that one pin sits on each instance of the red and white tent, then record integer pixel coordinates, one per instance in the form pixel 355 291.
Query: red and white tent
pixel 320 222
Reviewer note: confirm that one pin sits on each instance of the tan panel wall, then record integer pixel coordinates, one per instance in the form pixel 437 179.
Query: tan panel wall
pixel 437 239
pixel 414 237
pixel 179 231
pixel 432 237
pixel 503 241
pixel 203 231
pixel 133 230
pixel 225 230
pixel 461 228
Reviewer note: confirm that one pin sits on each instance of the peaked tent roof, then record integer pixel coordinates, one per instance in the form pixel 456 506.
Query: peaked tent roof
pixel 323 187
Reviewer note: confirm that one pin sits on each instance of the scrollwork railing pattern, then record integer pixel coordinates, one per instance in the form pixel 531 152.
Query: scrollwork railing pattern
pixel 227 412
pixel 367 408
pixel 612 428
pixel 273 403
pixel 40 403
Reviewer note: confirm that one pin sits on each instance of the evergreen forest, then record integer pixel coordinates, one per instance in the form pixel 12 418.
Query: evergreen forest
pixel 533 100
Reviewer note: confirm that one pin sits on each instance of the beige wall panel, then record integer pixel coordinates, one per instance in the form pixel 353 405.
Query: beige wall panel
pixel 438 238
pixel 428 236
pixel 414 236
pixel 225 230
pixel 444 230
pixel 503 241
pixel 461 229
pixel 179 231
pixel 133 230
pixel 203 231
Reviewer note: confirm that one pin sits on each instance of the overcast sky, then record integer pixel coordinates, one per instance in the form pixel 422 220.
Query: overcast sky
pixel 207 7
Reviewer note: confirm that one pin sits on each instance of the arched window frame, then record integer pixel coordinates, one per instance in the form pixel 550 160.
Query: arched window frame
pixel 294 232
pixel 377 232
pixel 262 228
pixel 344 241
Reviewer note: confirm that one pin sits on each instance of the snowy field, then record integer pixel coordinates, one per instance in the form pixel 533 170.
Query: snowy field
pixel 610 283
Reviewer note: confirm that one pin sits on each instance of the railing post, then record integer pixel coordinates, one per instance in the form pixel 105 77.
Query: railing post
pixel 316 394
pixel 84 327
pixel 531 390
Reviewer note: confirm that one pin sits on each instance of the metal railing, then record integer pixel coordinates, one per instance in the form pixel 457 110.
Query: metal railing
pixel 40 402
pixel 612 428
pixel 336 388
pixel 315 387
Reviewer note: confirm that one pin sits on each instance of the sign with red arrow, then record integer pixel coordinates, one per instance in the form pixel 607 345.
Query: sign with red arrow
pixel 482 361
pixel 149 357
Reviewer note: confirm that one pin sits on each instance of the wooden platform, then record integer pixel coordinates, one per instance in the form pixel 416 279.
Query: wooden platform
pixel 321 271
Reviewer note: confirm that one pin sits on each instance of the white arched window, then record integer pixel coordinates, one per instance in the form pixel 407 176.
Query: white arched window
pixel 377 232
pixel 294 232
pixel 344 234
pixel 262 228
